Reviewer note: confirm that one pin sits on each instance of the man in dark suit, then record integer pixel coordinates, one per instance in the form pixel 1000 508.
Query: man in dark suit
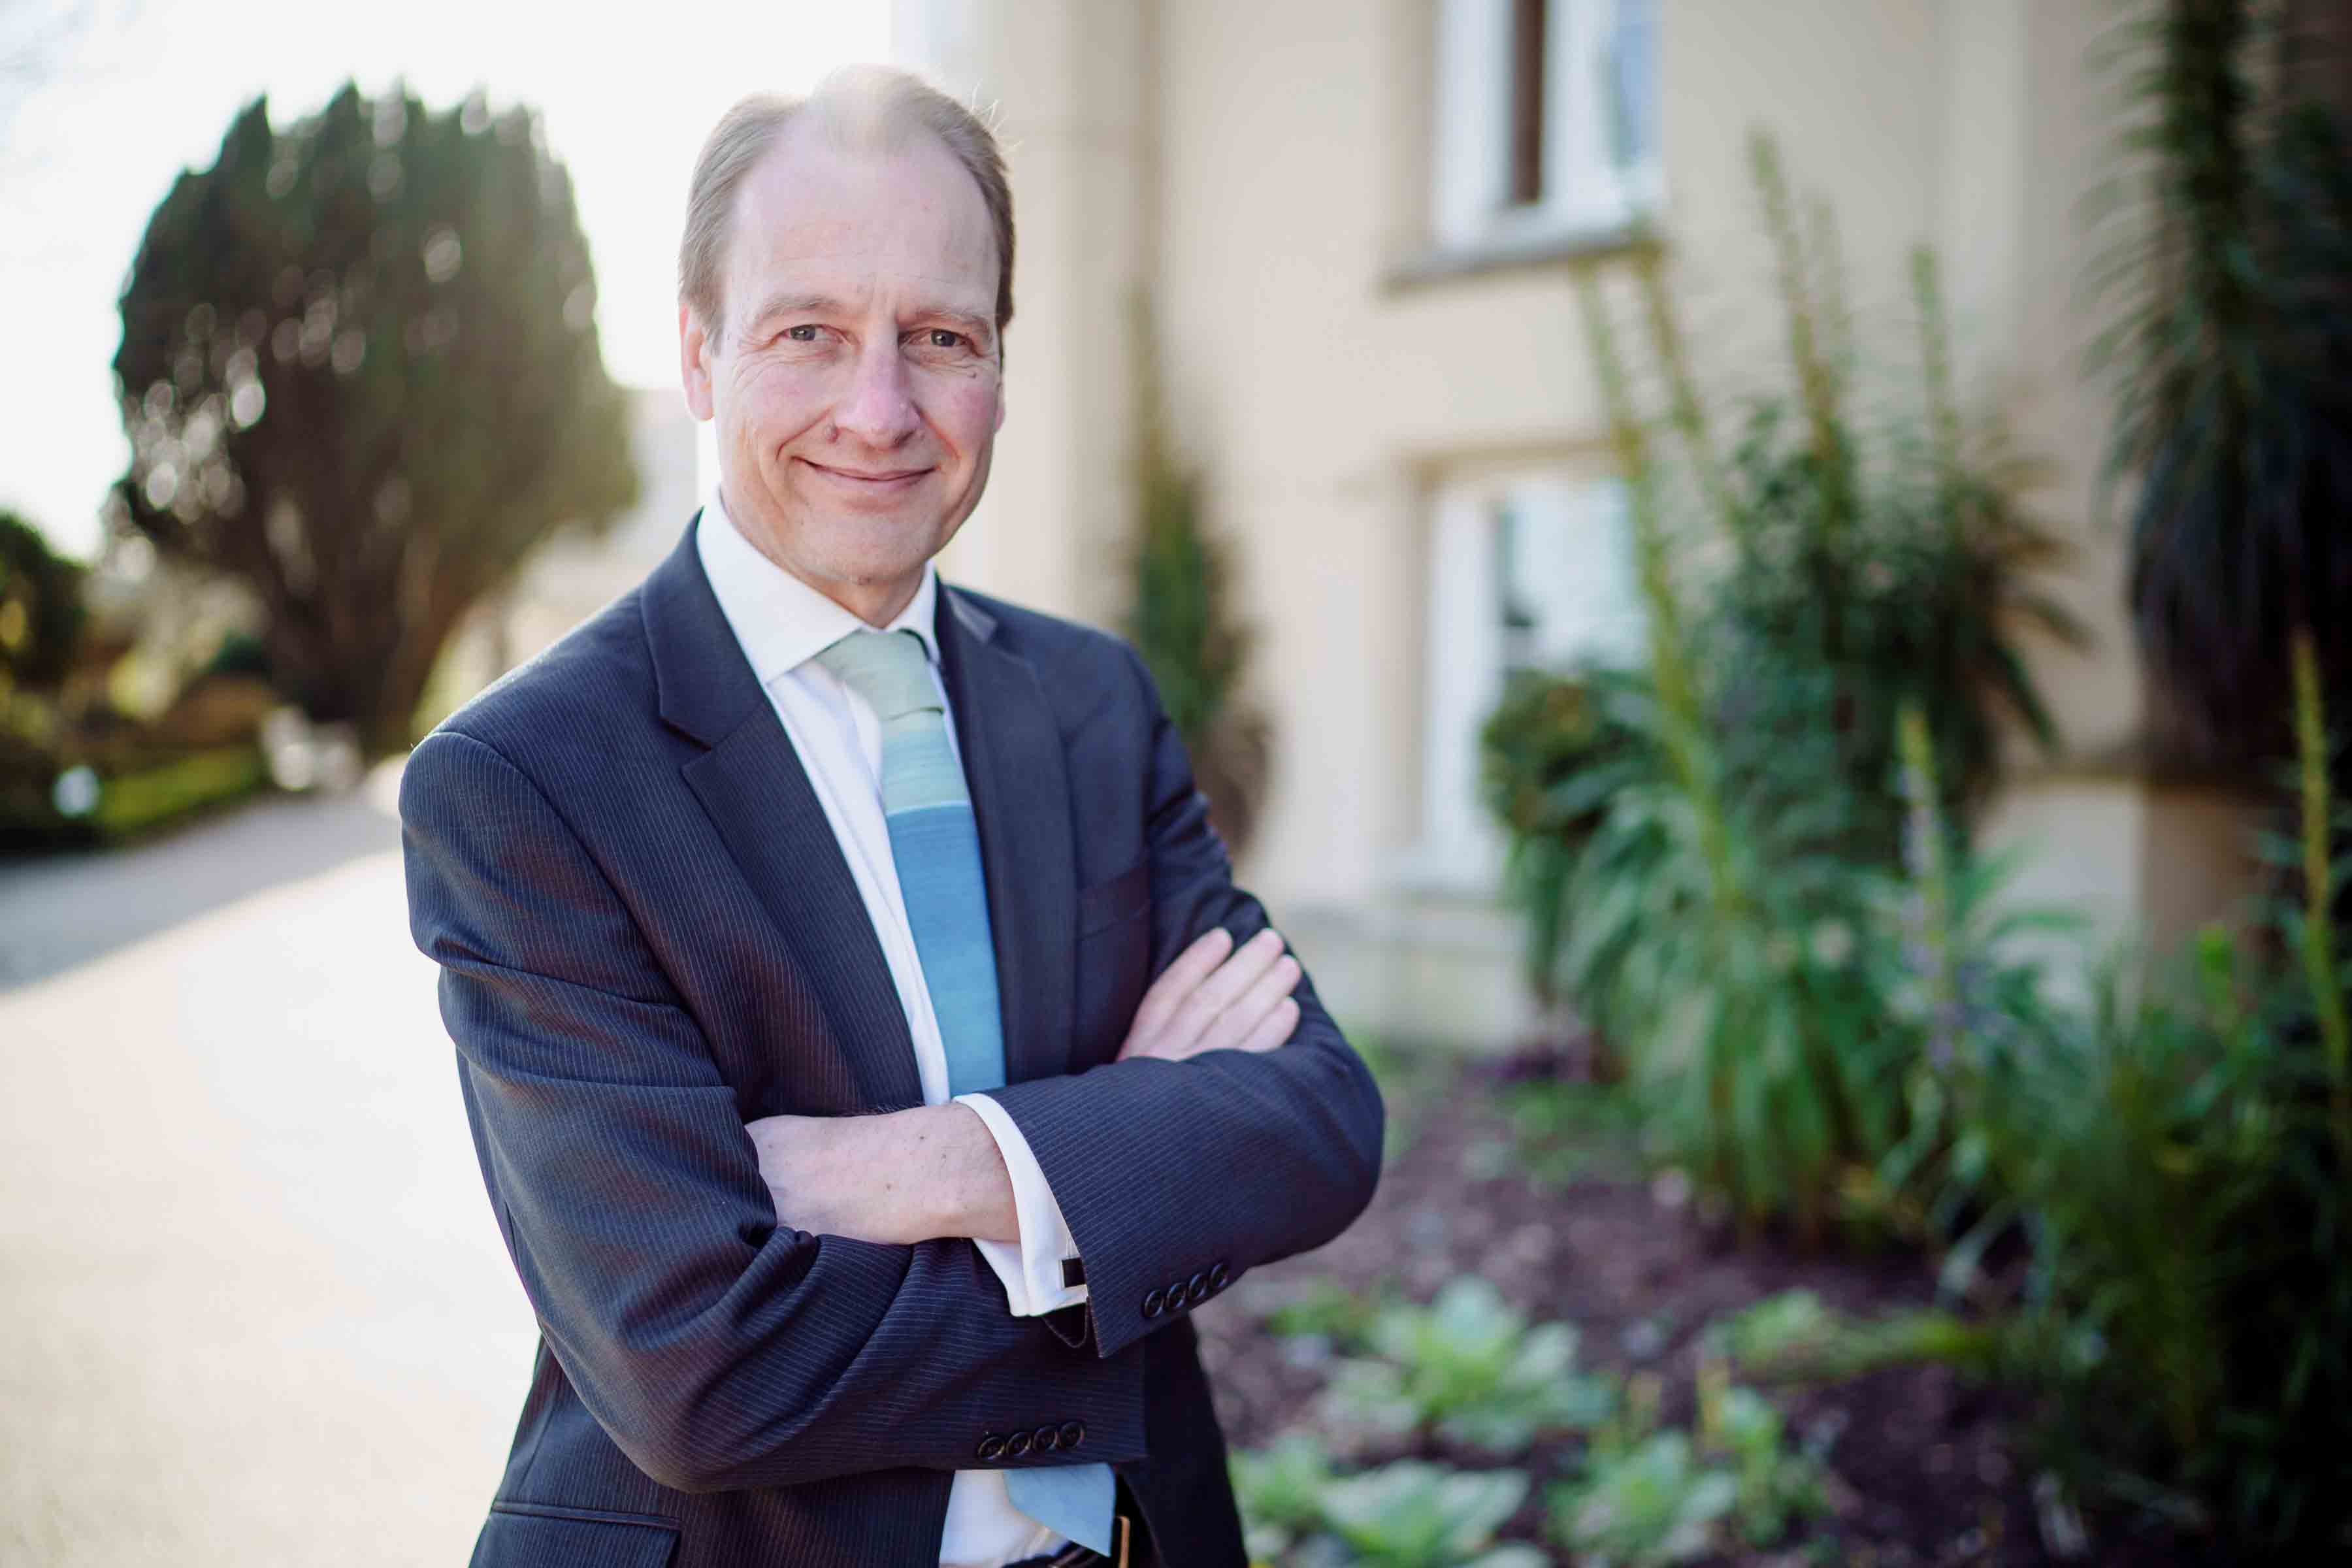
pixel 869 1058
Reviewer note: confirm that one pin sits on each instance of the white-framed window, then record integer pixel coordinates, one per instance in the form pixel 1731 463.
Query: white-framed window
pixel 1546 120
pixel 1531 569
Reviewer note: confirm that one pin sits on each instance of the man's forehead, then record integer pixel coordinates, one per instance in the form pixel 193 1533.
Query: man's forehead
pixel 914 209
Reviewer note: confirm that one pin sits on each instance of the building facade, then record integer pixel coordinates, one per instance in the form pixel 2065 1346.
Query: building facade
pixel 1354 219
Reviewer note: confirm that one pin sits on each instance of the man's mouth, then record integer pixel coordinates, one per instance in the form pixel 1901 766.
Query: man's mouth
pixel 869 479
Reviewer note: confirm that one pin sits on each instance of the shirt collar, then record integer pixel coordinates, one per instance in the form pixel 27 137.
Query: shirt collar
pixel 780 621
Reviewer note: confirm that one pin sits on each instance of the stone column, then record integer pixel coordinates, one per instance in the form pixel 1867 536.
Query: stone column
pixel 1070 85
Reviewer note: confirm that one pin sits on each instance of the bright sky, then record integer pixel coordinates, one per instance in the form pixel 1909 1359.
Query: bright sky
pixel 124 94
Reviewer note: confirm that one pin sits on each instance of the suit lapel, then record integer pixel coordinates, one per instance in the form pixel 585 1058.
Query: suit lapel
pixel 1014 766
pixel 758 796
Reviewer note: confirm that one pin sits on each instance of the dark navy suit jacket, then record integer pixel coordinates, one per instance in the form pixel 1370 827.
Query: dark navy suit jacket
pixel 648 936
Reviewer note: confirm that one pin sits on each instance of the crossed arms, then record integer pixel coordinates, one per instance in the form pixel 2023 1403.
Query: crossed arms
pixel 934 1171
pixel 722 1348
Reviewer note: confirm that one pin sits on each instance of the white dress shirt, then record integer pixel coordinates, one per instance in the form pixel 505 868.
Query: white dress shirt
pixel 783 623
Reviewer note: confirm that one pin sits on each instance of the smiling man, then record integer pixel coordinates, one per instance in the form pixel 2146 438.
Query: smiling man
pixel 870 1059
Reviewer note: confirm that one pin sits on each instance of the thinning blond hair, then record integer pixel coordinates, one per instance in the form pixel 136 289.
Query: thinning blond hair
pixel 871 108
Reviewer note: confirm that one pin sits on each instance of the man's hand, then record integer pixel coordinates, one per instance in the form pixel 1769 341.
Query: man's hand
pixel 899 1178
pixel 934 1170
pixel 1214 998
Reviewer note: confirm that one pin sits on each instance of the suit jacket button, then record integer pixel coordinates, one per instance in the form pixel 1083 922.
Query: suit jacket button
pixel 1017 1445
pixel 1073 1434
pixel 1196 1287
pixel 1153 1300
pixel 1045 1438
pixel 1217 1274
pixel 991 1445
pixel 1175 1295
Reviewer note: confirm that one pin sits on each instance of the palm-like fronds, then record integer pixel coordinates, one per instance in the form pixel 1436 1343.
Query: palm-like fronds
pixel 2228 347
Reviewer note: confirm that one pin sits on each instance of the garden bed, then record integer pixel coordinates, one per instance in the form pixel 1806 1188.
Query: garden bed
pixel 1924 1464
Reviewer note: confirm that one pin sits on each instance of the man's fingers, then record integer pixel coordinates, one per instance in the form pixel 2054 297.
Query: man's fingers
pixel 1232 979
pixel 1275 1028
pixel 1240 1021
pixel 1177 982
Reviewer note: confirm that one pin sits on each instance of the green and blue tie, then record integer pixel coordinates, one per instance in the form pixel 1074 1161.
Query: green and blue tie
pixel 935 843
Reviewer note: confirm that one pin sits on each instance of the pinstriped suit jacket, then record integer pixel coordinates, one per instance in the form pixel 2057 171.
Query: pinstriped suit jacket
pixel 647 936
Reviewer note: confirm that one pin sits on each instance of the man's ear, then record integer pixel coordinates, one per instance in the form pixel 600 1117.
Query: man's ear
pixel 694 361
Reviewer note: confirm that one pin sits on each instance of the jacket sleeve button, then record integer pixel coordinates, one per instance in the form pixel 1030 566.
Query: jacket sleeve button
pixel 1045 1439
pixel 1017 1445
pixel 1152 1301
pixel 1196 1287
pixel 1175 1295
pixel 990 1447
pixel 1217 1274
pixel 1073 1434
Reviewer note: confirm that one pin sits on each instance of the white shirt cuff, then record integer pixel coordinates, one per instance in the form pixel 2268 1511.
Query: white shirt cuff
pixel 1031 1268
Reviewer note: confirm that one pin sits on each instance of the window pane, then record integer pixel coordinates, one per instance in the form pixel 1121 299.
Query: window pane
pixel 1565 576
pixel 1632 76
pixel 1526 185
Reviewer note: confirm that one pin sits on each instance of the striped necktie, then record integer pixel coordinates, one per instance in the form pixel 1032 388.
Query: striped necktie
pixel 935 845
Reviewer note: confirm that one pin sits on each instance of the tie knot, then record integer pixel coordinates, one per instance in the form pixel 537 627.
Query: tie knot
pixel 889 669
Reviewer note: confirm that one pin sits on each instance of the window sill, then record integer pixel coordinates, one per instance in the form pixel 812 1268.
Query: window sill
pixel 1445 264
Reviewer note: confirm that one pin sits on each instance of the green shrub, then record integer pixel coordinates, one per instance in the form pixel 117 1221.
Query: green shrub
pixel 1327 1309
pixel 1649 1498
pixel 1652 1503
pixel 1280 1490
pixel 40 608
pixel 2179 1158
pixel 1795 1337
pixel 1414 1515
pixel 1470 1369
pixel 1403 1515
pixel 133 802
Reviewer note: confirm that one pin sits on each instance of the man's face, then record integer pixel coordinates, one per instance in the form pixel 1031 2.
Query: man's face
pixel 854 377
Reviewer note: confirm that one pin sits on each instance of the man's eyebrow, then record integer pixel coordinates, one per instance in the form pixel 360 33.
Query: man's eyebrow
pixel 796 305
pixel 979 328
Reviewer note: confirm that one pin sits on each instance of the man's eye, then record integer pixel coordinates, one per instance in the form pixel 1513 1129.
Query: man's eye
pixel 943 339
pixel 803 333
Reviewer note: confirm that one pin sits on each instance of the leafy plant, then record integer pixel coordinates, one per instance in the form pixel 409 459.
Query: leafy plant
pixel 1556 748
pixel 1326 1309
pixel 1403 1515
pixel 1280 1490
pixel 2228 351
pixel 2179 1158
pixel 1724 824
pixel 1648 1496
pixel 1775 1485
pixel 40 608
pixel 1414 1515
pixel 1470 1368
pixel 1796 1337
pixel 1778 1328
pixel 1654 1503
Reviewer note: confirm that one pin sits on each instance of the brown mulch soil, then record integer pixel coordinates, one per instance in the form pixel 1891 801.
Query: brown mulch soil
pixel 1927 1465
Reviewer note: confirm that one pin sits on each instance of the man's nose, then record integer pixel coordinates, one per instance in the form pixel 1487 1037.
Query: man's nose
pixel 878 406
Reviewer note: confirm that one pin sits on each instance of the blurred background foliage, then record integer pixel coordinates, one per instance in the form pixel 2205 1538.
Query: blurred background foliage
pixel 1181 616
pixel 2227 351
pixel 361 376
pixel 361 380
pixel 1748 864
